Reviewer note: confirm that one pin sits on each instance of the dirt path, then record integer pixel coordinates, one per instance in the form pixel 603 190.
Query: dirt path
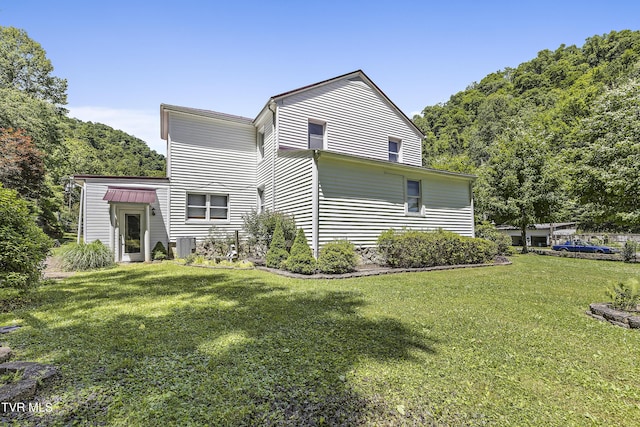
pixel 53 269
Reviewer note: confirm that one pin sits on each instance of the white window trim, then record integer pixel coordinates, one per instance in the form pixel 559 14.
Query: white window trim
pixel 260 200
pixel 406 198
pixel 399 153
pixel 324 133
pixel 207 207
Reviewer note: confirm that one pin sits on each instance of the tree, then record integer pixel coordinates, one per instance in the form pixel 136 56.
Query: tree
pixel 21 164
pixel 607 175
pixel 277 253
pixel 518 184
pixel 23 246
pixel 301 259
pixel 24 66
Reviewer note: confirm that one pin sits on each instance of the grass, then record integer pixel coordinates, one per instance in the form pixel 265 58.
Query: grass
pixel 165 344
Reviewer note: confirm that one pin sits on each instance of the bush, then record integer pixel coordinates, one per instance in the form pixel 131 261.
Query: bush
pixel 23 246
pixel 629 251
pixel 337 257
pixel 217 244
pixel 159 252
pixel 301 259
pixel 417 249
pixel 625 295
pixel 489 231
pixel 260 228
pixel 277 252
pixel 86 256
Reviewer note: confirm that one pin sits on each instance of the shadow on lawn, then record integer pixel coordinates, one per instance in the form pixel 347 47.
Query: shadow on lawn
pixel 234 350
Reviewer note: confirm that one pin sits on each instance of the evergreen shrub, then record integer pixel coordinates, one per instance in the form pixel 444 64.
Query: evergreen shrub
pixel 277 252
pixel 418 249
pixel 86 256
pixel 337 257
pixel 301 259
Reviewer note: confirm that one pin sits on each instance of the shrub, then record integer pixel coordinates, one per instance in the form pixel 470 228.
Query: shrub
pixel 629 251
pixel 416 249
pixel 159 252
pixel 217 244
pixel 23 246
pixel 301 259
pixel 488 231
pixel 625 295
pixel 260 228
pixel 337 257
pixel 277 252
pixel 86 256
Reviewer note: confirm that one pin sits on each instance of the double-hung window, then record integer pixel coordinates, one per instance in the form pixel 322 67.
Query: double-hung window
pixel 394 150
pixel 260 144
pixel 316 135
pixel 414 201
pixel 208 207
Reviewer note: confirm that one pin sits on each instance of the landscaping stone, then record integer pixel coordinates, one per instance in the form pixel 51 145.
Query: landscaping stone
pixel 5 354
pixel 32 374
pixel 604 311
pixel 7 329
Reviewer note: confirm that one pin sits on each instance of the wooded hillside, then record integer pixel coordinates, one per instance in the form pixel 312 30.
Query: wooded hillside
pixel 556 138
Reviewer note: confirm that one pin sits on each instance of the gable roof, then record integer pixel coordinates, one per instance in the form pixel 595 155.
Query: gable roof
pixel 165 108
pixel 357 73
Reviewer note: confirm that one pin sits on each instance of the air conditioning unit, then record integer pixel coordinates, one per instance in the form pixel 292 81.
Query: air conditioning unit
pixel 185 246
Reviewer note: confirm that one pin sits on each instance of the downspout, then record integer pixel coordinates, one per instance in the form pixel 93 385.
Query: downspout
pixel 315 205
pixel 473 213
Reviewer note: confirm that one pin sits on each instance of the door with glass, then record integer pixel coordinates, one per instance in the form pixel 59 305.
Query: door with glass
pixel 131 244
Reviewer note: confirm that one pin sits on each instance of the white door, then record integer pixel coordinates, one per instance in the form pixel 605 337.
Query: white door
pixel 131 239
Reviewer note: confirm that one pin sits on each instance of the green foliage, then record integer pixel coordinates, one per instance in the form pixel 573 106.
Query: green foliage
pixel 581 103
pixel 23 246
pixel 24 66
pixel 218 243
pixel 21 164
pixel 277 253
pixel 487 230
pixel 260 227
pixel 301 259
pixel 159 252
pixel 337 257
pixel 418 249
pixel 625 295
pixel 86 256
pixel 629 250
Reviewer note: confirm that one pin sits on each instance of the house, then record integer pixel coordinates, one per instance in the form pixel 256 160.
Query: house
pixel 338 155
pixel 540 235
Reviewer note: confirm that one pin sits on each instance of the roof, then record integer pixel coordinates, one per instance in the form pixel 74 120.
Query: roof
pixel 545 226
pixel 120 177
pixel 381 163
pixel 130 195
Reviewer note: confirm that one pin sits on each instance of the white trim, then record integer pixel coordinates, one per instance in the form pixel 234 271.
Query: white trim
pixel 315 207
pixel 207 208
pixel 420 197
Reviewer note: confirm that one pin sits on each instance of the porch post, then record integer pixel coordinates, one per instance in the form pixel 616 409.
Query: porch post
pixel 116 235
pixel 147 234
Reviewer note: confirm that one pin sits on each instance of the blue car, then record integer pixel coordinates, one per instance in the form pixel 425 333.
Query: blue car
pixel 579 246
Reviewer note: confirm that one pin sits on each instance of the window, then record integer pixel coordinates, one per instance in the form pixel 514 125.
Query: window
pixel 207 207
pixel 414 204
pixel 394 150
pixel 260 144
pixel 316 136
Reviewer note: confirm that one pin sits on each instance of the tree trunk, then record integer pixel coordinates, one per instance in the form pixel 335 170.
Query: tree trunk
pixel 523 235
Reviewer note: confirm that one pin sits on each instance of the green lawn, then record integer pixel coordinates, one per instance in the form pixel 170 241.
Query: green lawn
pixel 174 345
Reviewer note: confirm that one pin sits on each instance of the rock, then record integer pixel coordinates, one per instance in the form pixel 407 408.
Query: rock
pixel 25 388
pixel 7 329
pixel 18 391
pixel 634 322
pixel 598 308
pixel 5 354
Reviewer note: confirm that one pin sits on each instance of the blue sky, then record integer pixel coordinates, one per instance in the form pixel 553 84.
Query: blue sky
pixel 122 59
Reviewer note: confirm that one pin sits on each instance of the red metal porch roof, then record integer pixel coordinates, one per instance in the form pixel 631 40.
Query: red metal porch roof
pixel 130 195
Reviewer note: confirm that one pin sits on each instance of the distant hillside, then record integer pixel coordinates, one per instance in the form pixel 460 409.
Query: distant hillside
pixel 560 95
pixel 95 148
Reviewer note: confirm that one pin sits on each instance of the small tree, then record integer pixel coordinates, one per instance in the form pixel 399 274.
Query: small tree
pixel 23 246
pixel 277 252
pixel 260 227
pixel 301 259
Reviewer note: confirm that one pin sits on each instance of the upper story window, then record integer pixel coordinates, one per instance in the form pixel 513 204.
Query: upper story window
pixel 414 202
pixel 261 200
pixel 316 135
pixel 208 207
pixel 394 150
pixel 260 144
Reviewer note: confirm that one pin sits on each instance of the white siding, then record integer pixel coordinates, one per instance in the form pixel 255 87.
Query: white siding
pixel 97 220
pixel 264 173
pixel 358 202
pixel 294 187
pixel 358 121
pixel 210 156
